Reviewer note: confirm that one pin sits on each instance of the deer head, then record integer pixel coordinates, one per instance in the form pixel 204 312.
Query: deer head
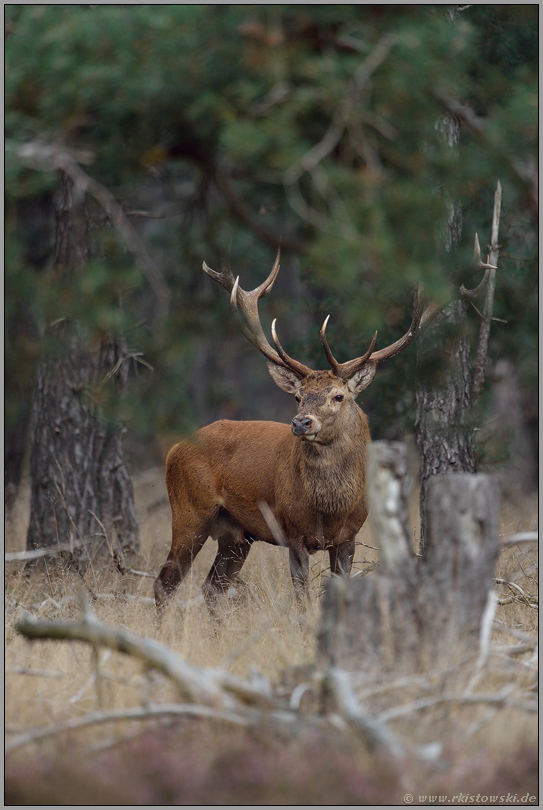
pixel 321 395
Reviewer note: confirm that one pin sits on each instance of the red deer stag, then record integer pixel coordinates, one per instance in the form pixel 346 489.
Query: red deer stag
pixel 310 474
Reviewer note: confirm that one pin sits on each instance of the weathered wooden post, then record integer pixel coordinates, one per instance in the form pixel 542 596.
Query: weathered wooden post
pixel 411 614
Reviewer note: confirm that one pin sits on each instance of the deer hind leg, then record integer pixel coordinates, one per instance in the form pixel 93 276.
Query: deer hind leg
pixel 231 555
pixel 188 538
pixel 341 558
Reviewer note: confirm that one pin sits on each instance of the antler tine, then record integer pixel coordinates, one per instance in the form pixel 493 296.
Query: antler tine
pixel 226 278
pixel 398 346
pixel 246 330
pixel 334 365
pixel 347 369
pixel 245 302
pixel 294 365
pixel 420 321
pixel 267 285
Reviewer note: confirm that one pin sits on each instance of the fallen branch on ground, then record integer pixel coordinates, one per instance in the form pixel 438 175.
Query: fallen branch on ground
pixel 42 673
pixel 532 601
pixel 520 537
pixel 199 685
pixel 137 713
pixel 35 554
pixel 500 699
pixel 338 688
pixel 217 693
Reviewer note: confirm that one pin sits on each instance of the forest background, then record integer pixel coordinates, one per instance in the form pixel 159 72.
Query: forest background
pixel 366 141
pixel 223 132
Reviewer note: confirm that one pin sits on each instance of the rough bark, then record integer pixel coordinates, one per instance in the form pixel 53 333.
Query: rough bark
pixel 444 430
pixel 80 488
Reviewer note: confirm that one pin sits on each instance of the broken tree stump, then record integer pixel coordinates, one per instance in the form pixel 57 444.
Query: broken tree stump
pixel 457 571
pixel 411 614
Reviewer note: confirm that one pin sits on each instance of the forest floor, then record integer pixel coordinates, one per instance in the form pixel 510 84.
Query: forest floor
pixel 487 750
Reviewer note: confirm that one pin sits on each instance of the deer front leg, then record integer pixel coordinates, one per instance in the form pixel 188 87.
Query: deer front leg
pixel 341 558
pixel 298 558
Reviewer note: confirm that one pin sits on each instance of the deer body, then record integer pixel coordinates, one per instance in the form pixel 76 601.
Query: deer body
pixel 301 485
pixel 248 463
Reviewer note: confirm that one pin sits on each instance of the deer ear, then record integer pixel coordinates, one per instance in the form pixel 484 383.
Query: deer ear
pixel 362 378
pixel 286 379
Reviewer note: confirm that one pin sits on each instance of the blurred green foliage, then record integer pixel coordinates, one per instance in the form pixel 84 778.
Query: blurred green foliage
pixel 325 120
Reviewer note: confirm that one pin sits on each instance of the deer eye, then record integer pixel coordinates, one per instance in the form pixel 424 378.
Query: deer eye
pixel 339 398
pixel 298 398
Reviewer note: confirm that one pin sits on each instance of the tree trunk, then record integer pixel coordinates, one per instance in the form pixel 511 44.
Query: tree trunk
pixel 81 492
pixel 444 429
pixel 444 434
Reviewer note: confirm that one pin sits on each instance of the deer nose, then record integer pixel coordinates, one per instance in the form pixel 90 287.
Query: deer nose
pixel 301 425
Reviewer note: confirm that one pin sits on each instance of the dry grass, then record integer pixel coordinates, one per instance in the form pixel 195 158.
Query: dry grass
pixel 195 762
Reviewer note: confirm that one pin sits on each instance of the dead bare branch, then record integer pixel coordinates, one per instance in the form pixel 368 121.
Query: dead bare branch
pixel 409 681
pixel 480 289
pixel 137 713
pixel 338 689
pixel 500 699
pixel 22 556
pixel 240 209
pixel 140 573
pixel 525 597
pixel 484 332
pixel 200 685
pixel 40 673
pixel 91 680
pixel 515 632
pixel 485 634
pixel 527 642
pixel 311 161
pixel 515 649
pixel 520 537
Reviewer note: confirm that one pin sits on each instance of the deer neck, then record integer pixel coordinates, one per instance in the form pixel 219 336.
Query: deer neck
pixel 333 475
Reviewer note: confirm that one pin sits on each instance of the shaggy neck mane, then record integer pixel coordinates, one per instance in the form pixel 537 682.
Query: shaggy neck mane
pixel 333 474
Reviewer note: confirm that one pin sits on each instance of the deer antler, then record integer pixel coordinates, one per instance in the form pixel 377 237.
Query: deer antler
pixel 246 303
pixel 340 369
pixel 419 323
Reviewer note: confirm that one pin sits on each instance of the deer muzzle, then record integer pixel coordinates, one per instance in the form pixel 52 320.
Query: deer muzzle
pixel 304 426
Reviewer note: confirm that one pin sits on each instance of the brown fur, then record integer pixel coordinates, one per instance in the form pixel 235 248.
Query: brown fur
pixel 315 488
